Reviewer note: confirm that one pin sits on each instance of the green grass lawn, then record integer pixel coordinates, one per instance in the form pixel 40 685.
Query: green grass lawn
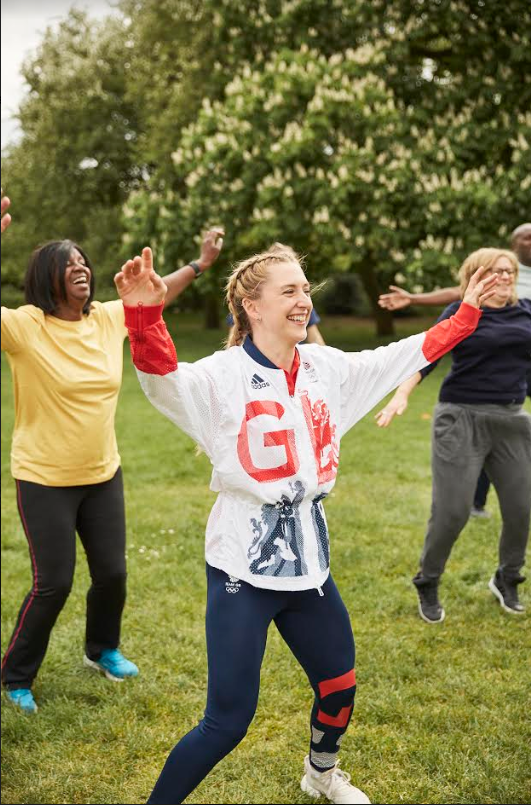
pixel 442 712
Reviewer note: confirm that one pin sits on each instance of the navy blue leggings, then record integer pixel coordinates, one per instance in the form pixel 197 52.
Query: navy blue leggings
pixel 317 630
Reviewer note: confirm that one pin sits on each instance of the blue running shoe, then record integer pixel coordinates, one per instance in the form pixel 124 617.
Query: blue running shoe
pixel 113 664
pixel 23 699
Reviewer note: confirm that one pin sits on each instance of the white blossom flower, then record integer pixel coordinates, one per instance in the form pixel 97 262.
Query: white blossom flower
pixel 321 216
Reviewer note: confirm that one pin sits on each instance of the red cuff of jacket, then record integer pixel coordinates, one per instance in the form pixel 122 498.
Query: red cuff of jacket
pixel 152 349
pixel 140 316
pixel 468 315
pixel 445 335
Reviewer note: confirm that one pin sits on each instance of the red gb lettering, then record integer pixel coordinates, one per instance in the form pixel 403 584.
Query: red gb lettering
pixel 323 437
pixel 283 438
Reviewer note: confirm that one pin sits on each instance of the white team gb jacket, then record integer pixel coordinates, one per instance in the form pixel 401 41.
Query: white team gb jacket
pixel 274 447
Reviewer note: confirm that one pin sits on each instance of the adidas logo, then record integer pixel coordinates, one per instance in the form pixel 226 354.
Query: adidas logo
pixel 258 383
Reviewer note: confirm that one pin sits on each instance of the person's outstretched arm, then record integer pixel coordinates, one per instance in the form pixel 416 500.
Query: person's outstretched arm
pixel 185 392
pixel 374 373
pixel 14 331
pixel 398 402
pixel 399 298
pixel 179 280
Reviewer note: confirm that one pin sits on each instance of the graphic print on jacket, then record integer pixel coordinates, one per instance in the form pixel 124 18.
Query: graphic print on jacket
pixel 273 436
pixel 278 546
pixel 279 550
pixel 322 432
pixel 321 531
pixel 323 435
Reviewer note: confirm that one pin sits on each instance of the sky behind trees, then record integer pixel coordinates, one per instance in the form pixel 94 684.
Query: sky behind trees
pixel 23 25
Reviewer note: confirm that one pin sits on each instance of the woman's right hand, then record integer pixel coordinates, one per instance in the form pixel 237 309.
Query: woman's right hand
pixel 139 283
pixel 480 288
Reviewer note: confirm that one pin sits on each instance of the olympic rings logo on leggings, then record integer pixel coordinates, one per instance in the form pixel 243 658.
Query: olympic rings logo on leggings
pixel 233 585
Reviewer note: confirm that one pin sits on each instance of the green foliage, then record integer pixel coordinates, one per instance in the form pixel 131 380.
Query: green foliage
pixel 341 295
pixel 73 169
pixel 440 713
pixel 393 154
pixel 387 138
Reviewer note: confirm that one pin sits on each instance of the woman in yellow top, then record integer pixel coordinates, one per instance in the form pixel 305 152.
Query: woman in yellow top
pixel 66 351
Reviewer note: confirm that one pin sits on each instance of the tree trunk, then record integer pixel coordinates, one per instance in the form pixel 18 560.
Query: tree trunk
pixel 211 311
pixel 383 318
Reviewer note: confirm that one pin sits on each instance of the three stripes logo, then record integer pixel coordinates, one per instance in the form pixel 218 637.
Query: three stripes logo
pixel 258 383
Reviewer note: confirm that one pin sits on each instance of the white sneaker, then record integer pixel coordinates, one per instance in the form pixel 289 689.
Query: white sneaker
pixel 334 784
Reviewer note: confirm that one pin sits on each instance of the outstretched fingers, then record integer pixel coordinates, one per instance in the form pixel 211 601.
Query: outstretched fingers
pixel 479 282
pixel 218 233
pixel 384 418
pixel 138 282
pixel 6 218
pixel 395 407
pixel 485 293
pixel 486 288
pixel 146 260
pixel 397 299
pixel 480 288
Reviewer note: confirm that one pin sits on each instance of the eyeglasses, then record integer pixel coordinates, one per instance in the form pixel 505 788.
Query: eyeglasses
pixel 511 272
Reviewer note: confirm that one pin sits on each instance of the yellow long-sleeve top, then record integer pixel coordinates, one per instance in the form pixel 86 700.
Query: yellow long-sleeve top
pixel 66 378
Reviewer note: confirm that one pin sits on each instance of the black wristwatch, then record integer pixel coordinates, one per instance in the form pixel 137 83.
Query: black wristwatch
pixel 195 266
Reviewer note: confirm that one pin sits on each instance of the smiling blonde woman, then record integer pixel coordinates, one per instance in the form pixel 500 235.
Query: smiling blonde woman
pixel 270 413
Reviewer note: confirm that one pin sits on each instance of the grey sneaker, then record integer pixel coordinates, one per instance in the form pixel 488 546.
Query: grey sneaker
pixel 430 610
pixel 506 591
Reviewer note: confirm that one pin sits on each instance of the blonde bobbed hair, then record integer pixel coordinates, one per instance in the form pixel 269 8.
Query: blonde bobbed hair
pixel 244 283
pixel 487 257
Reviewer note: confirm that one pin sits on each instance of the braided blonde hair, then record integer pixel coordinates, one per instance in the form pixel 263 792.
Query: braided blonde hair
pixel 244 283
pixel 487 257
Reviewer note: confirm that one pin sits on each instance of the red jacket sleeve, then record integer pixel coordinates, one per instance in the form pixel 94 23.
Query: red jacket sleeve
pixel 443 337
pixel 152 348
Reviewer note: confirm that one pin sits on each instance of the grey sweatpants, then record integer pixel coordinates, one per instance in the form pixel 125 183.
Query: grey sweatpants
pixel 464 439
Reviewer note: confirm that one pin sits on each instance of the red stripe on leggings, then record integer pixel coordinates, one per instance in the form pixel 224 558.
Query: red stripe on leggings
pixel 35 577
pixel 343 682
pixel 340 720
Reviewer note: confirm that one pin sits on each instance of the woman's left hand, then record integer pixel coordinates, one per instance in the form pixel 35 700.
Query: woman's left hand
pixel 395 407
pixel 139 283
pixel 479 290
pixel 211 247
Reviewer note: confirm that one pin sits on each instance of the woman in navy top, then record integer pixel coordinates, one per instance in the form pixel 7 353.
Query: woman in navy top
pixel 479 421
